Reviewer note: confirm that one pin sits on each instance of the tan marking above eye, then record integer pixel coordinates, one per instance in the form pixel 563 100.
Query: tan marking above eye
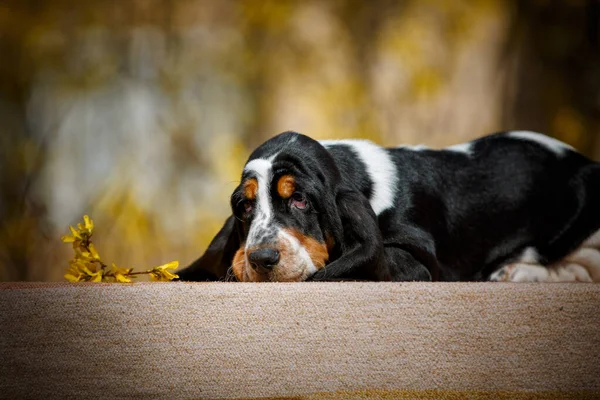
pixel 250 188
pixel 286 186
pixel 317 251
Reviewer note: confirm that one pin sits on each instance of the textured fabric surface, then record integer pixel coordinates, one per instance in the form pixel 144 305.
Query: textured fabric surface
pixel 441 395
pixel 308 340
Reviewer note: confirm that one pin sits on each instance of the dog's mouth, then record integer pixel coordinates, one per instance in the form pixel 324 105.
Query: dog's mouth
pixel 292 258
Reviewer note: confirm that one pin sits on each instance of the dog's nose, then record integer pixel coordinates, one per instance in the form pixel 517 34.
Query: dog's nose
pixel 266 258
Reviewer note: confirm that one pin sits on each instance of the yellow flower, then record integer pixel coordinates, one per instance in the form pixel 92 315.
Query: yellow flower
pixel 162 274
pixel 121 274
pixel 73 237
pixel 87 266
pixel 92 276
pixel 89 224
pixel 82 232
pixel 74 274
pixel 93 252
pixel 83 255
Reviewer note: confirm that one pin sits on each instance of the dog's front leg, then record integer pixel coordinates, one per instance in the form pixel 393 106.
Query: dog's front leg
pixel 362 262
pixel 403 266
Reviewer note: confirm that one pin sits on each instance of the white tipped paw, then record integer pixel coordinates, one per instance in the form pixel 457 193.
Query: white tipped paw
pixel 519 272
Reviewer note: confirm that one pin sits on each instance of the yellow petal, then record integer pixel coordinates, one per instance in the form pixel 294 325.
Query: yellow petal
pixel 154 276
pixel 171 265
pixel 88 271
pixel 162 275
pixel 89 224
pixel 97 277
pixel 94 252
pixel 75 232
pixel 122 278
pixel 78 264
pixel 73 278
pixel 169 276
pixel 68 239
pixel 83 255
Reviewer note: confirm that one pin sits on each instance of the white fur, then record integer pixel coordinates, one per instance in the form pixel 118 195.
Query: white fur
pixel 593 241
pixel 418 147
pixel 556 146
pixel 465 148
pixel 582 265
pixel 381 170
pixel 300 252
pixel 263 219
pixel 529 256
pixel 588 256
pixel 263 170
pixel 519 272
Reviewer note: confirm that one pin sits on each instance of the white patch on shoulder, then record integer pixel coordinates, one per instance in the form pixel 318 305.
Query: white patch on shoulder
pixel 465 148
pixel 418 147
pixel 556 146
pixel 263 171
pixel 381 170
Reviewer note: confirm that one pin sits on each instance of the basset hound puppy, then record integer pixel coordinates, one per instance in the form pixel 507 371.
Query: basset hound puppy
pixel 512 206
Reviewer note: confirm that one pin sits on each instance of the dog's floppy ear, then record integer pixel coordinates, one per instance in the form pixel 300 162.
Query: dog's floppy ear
pixel 215 262
pixel 359 245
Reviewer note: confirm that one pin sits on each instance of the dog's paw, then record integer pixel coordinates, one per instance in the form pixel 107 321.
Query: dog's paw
pixel 501 275
pixel 520 272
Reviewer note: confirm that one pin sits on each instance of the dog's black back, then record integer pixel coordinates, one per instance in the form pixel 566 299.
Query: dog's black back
pixel 478 209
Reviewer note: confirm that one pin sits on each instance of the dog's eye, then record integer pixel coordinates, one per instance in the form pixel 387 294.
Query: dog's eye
pixel 298 200
pixel 247 206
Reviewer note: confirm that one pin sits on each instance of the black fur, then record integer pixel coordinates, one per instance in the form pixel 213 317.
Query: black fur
pixel 456 217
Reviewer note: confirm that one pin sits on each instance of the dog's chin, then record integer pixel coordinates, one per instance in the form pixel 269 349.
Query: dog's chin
pixel 281 273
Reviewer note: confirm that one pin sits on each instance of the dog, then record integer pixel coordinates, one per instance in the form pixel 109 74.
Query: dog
pixel 511 206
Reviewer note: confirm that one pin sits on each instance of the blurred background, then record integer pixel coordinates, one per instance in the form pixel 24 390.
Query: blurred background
pixel 141 113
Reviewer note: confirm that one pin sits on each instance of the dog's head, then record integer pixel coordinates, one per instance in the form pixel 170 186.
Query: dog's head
pixel 284 210
pixel 292 215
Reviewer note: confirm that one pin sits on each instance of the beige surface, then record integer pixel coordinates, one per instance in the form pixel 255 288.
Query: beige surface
pixel 208 340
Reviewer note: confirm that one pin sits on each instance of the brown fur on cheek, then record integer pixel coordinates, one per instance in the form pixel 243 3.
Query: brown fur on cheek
pixel 286 186
pixel 317 251
pixel 239 263
pixel 250 188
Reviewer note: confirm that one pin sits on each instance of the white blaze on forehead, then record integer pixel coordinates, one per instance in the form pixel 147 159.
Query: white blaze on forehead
pixel 556 146
pixel 380 168
pixel 263 213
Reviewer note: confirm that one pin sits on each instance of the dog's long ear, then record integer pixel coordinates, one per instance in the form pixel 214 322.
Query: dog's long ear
pixel 215 262
pixel 359 245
